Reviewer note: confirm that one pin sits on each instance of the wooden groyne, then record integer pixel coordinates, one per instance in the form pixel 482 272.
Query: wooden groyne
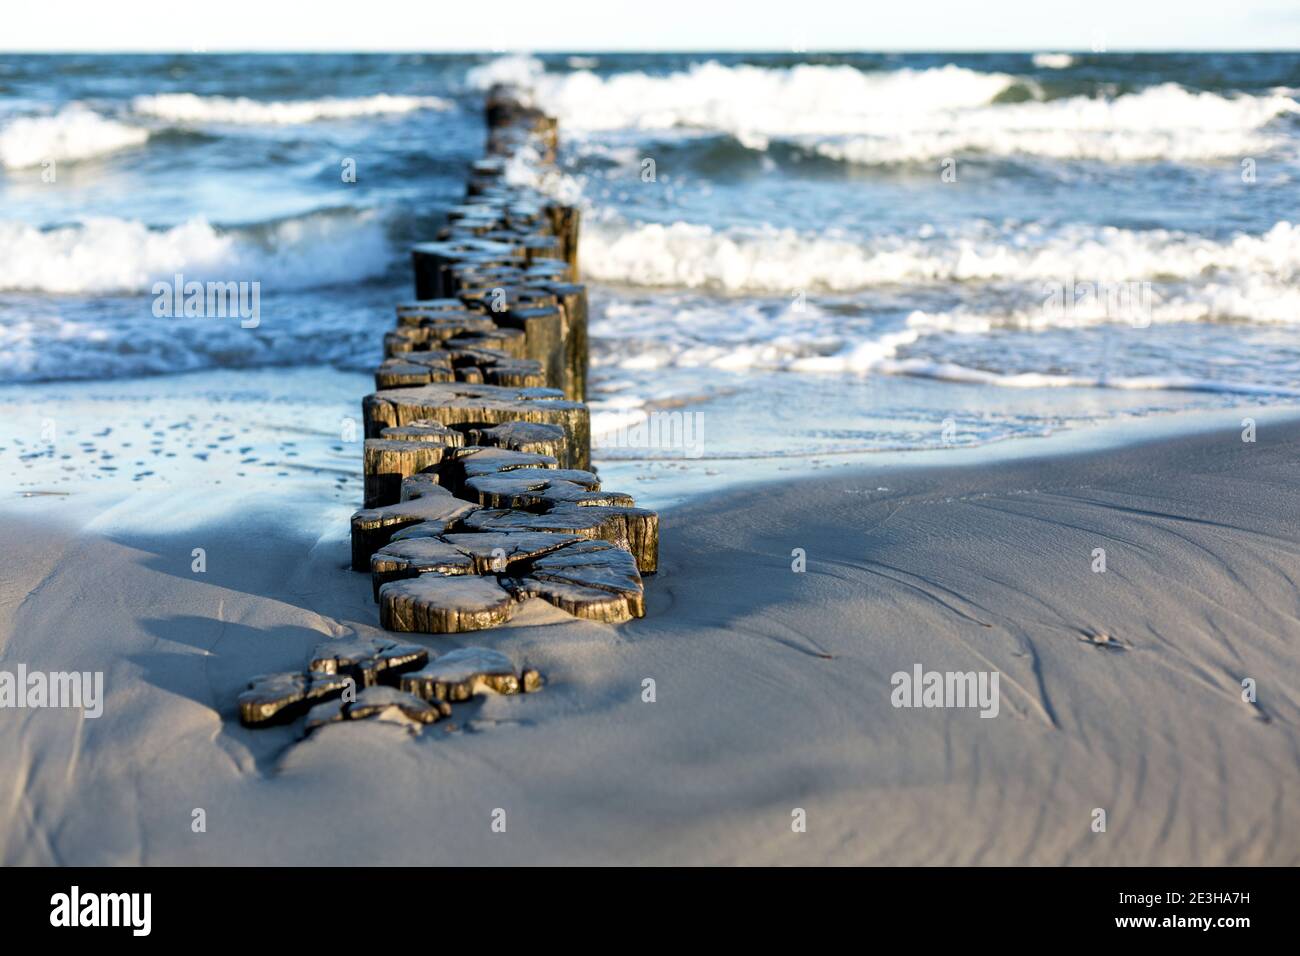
pixel 479 493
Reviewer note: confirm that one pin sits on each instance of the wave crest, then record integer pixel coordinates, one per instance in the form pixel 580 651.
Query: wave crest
pixel 191 108
pixel 757 103
pixel 903 115
pixel 1053 61
pixel 107 255
pixel 697 257
pixel 1160 122
pixel 74 133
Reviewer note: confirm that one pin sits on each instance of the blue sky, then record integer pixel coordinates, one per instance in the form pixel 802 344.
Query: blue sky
pixel 540 25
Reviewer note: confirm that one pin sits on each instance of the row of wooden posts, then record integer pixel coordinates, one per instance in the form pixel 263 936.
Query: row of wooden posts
pixel 479 495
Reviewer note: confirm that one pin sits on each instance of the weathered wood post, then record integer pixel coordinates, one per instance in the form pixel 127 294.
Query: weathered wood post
pixel 478 489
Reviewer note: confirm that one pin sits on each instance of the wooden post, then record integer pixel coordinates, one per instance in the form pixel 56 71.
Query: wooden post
pixel 478 489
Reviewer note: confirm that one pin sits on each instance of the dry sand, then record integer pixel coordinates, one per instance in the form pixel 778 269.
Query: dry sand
pixel 773 687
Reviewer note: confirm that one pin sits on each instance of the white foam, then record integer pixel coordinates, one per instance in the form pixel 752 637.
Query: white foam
pixel 1264 300
pixel 641 336
pixel 859 357
pixel 514 69
pixel 951 372
pixel 190 108
pixel 606 420
pixel 74 133
pixel 752 103
pixel 771 260
pixel 1161 122
pixel 735 335
pixel 903 115
pixel 107 255
pixel 1053 61
pixel 525 168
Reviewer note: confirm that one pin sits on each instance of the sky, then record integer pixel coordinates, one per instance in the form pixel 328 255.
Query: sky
pixel 606 25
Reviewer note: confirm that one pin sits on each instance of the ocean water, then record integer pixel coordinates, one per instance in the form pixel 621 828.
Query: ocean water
pixel 819 254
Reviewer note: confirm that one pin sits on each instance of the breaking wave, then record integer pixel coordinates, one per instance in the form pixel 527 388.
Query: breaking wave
pixel 903 115
pixel 74 133
pixel 107 255
pixel 190 108
pixel 774 260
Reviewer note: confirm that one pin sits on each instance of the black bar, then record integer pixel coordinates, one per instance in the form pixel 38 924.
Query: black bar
pixel 327 906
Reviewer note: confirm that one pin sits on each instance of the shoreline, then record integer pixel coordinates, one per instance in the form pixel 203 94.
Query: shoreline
pixel 772 687
pixel 307 405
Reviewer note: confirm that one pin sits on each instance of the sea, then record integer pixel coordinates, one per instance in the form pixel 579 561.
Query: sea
pixel 816 254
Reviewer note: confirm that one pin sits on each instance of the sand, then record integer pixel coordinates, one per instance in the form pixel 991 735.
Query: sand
pixel 1118 690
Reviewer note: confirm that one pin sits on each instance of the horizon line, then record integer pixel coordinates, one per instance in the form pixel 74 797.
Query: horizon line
pixel 478 51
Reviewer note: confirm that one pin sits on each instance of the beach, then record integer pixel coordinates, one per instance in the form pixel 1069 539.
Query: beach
pixel 943 409
pixel 1119 690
